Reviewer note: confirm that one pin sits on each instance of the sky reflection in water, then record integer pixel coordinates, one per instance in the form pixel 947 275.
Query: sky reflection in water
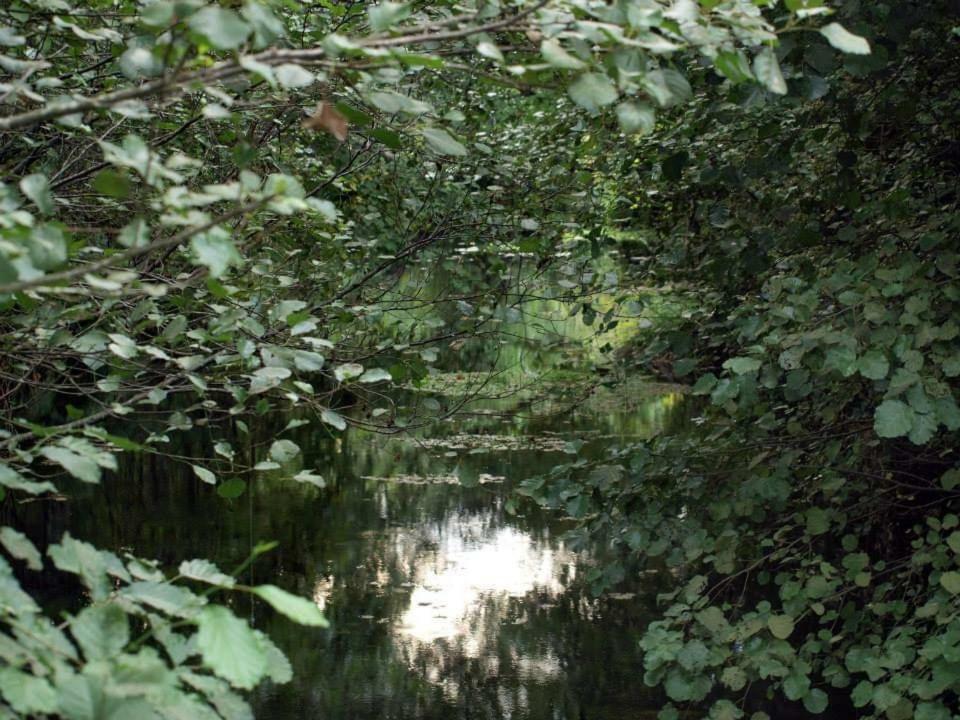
pixel 445 606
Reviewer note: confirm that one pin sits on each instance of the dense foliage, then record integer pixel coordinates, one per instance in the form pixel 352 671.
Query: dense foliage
pixel 813 521
pixel 207 209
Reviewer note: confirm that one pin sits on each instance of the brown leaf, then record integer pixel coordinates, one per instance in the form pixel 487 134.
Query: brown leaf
pixel 326 118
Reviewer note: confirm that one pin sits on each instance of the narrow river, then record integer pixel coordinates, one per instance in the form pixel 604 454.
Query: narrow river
pixel 442 604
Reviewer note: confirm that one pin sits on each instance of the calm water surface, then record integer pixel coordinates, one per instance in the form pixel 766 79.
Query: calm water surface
pixel 442 604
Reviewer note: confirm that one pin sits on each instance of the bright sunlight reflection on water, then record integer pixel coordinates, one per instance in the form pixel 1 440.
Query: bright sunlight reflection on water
pixel 472 566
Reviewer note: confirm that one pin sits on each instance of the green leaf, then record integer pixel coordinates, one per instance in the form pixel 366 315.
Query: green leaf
pixel 290 75
pixel 138 62
pixel 593 91
pixel 20 547
pixel 267 378
pixel 873 365
pixel 948 481
pixel 893 418
pixel 742 365
pixel 796 685
pixel 101 631
pixel 818 522
pixel 305 476
pixel 136 233
pixel 862 694
pixel 92 565
pixel 204 474
pixel 951 582
pixel 781 626
pixel 704 384
pixel 815 702
pixel 386 14
pixel 489 50
pixel 954 542
pixel 163 596
pixel 948 412
pixel 37 188
pixel 158 14
pixel 78 697
pixel 394 102
pixel 81 467
pixel 734 66
pixel 9 38
pixel 27 694
pixel 923 429
pixel 725 710
pixel 278 666
pixel 693 656
pixel 842 359
pixel 636 117
pixel 215 250
pixel 556 56
pixel 668 712
pixel 856 562
pixel 267 27
pixel 205 571
pixel 223 28
pixel 734 678
pixel 713 619
pixel 677 686
pixel 767 69
pixel 229 647
pixel 111 183
pixel 231 489
pixel 143 672
pixel 333 418
pixel 387 137
pixel 844 40
pixel 885 697
pixel 347 371
pixel 283 451
pixel 298 609
pixel 10 478
pixel 441 142
pixel 374 375
pixel 48 247
pixel 667 87
pixel 932 711
pixel 307 360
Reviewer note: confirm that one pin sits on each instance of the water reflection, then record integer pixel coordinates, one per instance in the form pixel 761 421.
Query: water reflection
pixel 470 576
pixel 442 605
pixel 476 566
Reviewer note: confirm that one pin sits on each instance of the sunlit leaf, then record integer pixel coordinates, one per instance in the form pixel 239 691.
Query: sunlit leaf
pixel 20 547
pixel 593 91
pixel 222 27
pixel 766 67
pixel 102 631
pixel 298 609
pixel 37 188
pixel 229 647
pixel 844 40
pixel 333 418
pixel 440 141
pixel 283 451
pixel 781 626
pixel 205 571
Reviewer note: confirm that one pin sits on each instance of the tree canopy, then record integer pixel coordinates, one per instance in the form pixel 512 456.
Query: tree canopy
pixel 207 211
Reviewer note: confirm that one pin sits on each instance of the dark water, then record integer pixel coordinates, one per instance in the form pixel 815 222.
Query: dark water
pixel 442 604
